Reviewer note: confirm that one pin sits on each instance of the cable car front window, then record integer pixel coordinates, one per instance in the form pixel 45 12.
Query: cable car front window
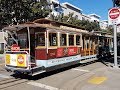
pixel 22 41
pixel 19 39
pixel 11 39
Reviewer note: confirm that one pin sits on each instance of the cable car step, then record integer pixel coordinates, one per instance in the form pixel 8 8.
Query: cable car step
pixel 32 64
pixel 88 60
pixel 37 70
pixel 36 73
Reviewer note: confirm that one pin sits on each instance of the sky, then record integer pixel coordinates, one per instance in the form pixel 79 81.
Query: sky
pixel 99 7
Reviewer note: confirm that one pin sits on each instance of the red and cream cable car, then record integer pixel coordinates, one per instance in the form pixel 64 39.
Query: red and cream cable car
pixel 45 45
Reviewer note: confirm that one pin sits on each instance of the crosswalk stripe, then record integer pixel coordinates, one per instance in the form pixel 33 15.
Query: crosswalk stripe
pixel 80 70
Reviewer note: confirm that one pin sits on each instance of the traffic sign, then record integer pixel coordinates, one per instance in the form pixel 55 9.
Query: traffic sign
pixel 114 13
pixel 114 19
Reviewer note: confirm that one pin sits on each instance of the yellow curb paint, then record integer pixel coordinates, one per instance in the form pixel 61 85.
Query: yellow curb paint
pixel 97 80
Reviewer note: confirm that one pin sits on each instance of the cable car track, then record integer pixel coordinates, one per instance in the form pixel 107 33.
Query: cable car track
pixel 6 83
pixel 2 70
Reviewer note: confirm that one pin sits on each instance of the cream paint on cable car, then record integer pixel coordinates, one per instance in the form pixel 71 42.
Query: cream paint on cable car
pixel 16 60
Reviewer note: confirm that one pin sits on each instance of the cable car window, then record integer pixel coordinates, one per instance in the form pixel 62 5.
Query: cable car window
pixel 63 40
pixel 10 41
pixel 53 39
pixel 71 39
pixel 77 40
pixel 22 40
pixel 40 39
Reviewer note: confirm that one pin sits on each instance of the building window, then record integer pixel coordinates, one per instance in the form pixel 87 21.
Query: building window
pixel 76 16
pixel 83 18
pixel 63 40
pixel 77 40
pixel 40 39
pixel 53 39
pixel 71 40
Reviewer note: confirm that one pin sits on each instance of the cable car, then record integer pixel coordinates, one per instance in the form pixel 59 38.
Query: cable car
pixel 44 45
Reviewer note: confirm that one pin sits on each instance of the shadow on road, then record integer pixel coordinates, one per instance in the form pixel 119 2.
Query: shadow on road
pixel 47 74
pixel 109 61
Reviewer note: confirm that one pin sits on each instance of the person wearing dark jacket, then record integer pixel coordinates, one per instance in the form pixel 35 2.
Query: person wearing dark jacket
pixel 100 51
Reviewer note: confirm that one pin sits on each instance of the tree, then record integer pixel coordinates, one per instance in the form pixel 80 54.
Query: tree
pixel 15 11
pixel 20 11
pixel 40 9
pixel 116 2
pixel 70 19
pixel 108 30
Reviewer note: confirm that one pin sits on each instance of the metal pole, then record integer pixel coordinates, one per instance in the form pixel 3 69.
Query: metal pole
pixel 29 60
pixel 115 46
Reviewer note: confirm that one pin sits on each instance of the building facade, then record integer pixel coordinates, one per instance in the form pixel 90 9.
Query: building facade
pixel 104 24
pixel 69 8
pixel 85 17
pixel 94 17
pixel 55 7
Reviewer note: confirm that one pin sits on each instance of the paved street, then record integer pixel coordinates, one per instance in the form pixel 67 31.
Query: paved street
pixel 94 76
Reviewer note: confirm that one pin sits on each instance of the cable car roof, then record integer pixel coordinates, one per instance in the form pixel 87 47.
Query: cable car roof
pixel 47 23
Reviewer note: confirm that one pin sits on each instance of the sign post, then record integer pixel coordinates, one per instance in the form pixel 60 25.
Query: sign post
pixel 114 13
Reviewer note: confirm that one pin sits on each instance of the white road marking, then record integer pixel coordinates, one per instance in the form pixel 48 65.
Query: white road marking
pixel 43 86
pixel 4 76
pixel 80 70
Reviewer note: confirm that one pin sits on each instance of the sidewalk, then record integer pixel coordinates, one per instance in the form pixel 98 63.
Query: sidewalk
pixel 106 78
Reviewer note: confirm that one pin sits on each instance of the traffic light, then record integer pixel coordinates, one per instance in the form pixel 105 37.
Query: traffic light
pixel 117 2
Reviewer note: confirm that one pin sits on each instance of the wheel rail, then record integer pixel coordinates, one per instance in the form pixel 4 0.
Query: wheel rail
pixel 6 83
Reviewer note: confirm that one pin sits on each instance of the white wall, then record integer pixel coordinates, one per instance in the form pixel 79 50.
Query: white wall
pixel 94 19
pixel 67 10
pixel 103 24
pixel 86 17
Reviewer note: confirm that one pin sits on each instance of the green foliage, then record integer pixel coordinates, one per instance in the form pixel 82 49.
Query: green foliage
pixel 117 2
pixel 40 9
pixel 110 29
pixel 83 24
pixel 19 11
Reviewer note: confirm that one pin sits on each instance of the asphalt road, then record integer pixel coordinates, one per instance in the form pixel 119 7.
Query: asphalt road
pixel 93 76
